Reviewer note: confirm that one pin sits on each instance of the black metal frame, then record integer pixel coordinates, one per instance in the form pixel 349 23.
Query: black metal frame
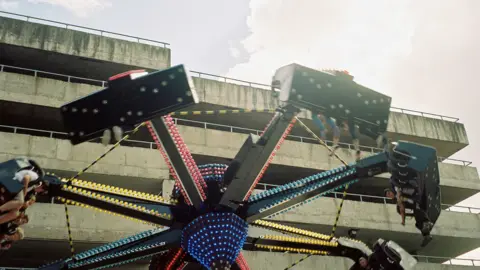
pixel 240 180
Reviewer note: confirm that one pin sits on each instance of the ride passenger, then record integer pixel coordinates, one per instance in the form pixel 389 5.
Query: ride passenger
pixel 10 210
pixel 396 194
pixel 350 126
pixel 422 223
pixel 319 119
pixel 7 241
pixel 362 263
pixel 10 228
pixel 107 135
pixel 10 232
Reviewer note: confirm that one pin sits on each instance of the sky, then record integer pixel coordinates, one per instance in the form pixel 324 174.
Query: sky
pixel 424 54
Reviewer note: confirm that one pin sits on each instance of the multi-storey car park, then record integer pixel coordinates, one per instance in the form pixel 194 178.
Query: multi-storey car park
pixel 44 67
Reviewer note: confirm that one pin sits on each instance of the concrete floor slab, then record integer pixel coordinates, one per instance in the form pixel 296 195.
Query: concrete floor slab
pixel 446 136
pixel 460 181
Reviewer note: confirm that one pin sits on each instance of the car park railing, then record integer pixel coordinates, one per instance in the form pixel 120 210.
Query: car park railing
pixel 206 125
pixel 51 75
pixel 230 80
pixel 381 199
pixel 420 258
pixel 74 79
pixel 85 29
pixel 425 114
pixel 449 261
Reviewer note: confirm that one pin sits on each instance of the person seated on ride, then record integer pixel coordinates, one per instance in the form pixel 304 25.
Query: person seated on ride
pixel 396 194
pixel 350 126
pixel 11 232
pixel 10 228
pixel 29 202
pixel 28 177
pixel 31 197
pixel 406 206
pixel 107 135
pixel 319 119
pixel 8 239
pixel 362 263
pixel 22 212
pixel 425 227
pixel 382 142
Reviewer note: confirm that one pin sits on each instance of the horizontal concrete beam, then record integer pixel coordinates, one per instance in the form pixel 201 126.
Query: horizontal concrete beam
pixel 47 224
pixel 401 126
pixel 304 155
pixel 60 154
pixel 376 221
pixel 57 154
pixel 255 259
pixel 447 137
pixel 142 162
pixel 81 44
pixel 270 260
pixel 41 91
pixel 454 233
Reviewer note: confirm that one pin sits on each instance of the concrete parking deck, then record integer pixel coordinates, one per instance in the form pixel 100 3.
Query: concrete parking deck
pixel 458 182
pixel 91 228
pixel 98 55
pixel 63 63
pixel 448 137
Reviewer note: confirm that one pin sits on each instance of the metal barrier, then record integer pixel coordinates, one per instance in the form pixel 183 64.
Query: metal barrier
pixel 449 261
pixel 96 31
pixel 420 258
pixel 230 80
pixel 15 268
pixel 384 200
pixel 453 160
pixel 223 79
pixel 424 259
pixel 461 209
pixel 68 78
pixel 233 129
pixel 424 114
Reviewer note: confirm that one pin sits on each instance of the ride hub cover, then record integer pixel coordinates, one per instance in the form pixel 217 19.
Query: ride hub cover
pixel 334 94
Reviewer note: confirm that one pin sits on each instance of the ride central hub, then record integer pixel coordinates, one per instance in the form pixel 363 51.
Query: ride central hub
pixel 215 239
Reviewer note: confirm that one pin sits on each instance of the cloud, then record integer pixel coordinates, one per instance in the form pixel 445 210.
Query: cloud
pixel 81 8
pixel 396 47
pixel 422 53
pixel 234 51
pixel 343 34
pixel 8 5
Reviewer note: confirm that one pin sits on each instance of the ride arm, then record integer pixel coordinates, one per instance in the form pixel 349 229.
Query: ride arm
pixel 254 157
pixel 386 254
pixel 123 251
pixel 419 160
pixel 304 190
pixel 178 158
pixel 133 98
pixel 145 207
pixel 305 245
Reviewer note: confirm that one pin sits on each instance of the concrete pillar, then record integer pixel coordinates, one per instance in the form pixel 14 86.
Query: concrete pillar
pixel 167 188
